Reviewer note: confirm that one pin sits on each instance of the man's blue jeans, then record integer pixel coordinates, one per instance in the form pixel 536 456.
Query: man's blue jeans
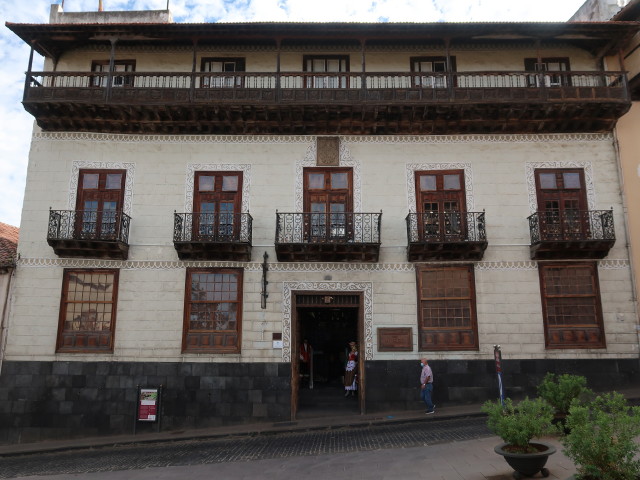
pixel 425 394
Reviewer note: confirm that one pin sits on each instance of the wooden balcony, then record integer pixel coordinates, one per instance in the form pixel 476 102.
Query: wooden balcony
pixel 311 103
pixel 210 236
pixel 446 236
pixel 89 234
pixel 572 234
pixel 334 237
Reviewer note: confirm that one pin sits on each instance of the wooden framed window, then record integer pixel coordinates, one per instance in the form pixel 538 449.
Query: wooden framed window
pixel 548 64
pixel 102 66
pixel 447 308
pixel 328 204
pixel 223 67
pixel 562 203
pixel 99 204
pixel 332 65
pixel 571 305
pixel 87 310
pixel 213 310
pixel 429 72
pixel 441 205
pixel 217 201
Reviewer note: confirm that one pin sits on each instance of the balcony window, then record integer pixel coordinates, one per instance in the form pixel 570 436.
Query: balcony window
pixel 441 205
pixel 101 67
pixel 326 64
pixel 223 67
pixel 429 72
pixel 548 65
pixel 562 200
pixel 216 202
pixel 328 197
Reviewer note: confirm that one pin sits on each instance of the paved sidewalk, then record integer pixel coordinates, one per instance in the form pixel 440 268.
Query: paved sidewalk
pixel 465 460
pixel 304 424
pixel 455 460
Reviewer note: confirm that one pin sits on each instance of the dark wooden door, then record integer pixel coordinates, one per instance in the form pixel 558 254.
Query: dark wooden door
pixel 99 204
pixel 223 67
pixel 562 203
pixel 441 205
pixel 328 204
pixel 217 202
pixel 548 65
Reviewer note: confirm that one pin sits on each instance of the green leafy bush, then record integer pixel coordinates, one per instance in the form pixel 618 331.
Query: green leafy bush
pixel 559 391
pixel 518 424
pixel 601 438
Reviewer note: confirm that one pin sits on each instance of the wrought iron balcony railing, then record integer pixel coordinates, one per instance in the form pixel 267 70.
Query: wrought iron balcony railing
pixel 88 225
pixel 212 228
pixel 328 228
pixel 446 227
pixel 571 226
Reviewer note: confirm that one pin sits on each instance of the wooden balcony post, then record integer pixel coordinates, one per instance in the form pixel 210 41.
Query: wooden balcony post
pixel 111 66
pixel 364 68
pixel 447 46
pixel 193 71
pixel 27 80
pixel 540 74
pixel 278 45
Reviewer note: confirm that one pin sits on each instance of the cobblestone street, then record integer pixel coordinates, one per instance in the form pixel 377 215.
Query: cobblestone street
pixel 330 441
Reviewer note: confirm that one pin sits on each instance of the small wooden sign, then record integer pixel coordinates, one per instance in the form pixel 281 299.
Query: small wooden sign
pixel 395 340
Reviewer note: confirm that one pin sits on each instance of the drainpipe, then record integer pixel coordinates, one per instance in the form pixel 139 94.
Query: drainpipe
pixel 5 315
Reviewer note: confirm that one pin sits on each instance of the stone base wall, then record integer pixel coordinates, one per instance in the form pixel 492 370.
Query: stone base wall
pixel 41 400
pixel 46 400
pixel 394 385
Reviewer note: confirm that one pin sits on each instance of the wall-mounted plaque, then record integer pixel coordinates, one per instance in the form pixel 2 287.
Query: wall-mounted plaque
pixel 395 340
pixel 328 152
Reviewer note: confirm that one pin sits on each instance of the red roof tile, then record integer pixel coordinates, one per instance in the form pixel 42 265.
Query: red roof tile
pixel 8 244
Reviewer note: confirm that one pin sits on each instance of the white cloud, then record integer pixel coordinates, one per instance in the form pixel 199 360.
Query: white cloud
pixel 15 136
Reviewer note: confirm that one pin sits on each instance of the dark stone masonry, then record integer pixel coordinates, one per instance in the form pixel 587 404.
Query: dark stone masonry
pixel 44 400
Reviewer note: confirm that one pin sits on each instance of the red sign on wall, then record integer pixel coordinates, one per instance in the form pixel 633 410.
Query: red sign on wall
pixel 148 405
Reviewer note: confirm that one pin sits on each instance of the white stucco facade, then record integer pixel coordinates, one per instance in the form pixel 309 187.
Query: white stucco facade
pixel 499 169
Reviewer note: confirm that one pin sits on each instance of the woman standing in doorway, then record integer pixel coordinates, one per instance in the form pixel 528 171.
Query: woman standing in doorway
pixel 350 371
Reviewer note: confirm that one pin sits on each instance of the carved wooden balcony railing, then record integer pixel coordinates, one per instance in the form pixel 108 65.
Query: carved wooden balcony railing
pixel 571 234
pixel 446 236
pixel 320 103
pixel 89 233
pixel 328 237
pixel 211 236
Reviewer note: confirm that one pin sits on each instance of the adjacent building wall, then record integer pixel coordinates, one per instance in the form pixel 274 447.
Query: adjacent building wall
pixel 597 10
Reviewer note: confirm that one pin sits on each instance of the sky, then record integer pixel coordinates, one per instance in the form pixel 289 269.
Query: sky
pixel 15 134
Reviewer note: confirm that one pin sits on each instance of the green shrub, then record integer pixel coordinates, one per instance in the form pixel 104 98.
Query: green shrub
pixel 601 438
pixel 560 391
pixel 518 424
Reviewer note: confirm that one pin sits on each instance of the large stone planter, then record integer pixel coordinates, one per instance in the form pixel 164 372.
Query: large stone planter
pixel 527 464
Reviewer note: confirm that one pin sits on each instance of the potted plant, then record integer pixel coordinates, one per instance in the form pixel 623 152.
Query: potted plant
pixel 560 390
pixel 601 438
pixel 517 425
